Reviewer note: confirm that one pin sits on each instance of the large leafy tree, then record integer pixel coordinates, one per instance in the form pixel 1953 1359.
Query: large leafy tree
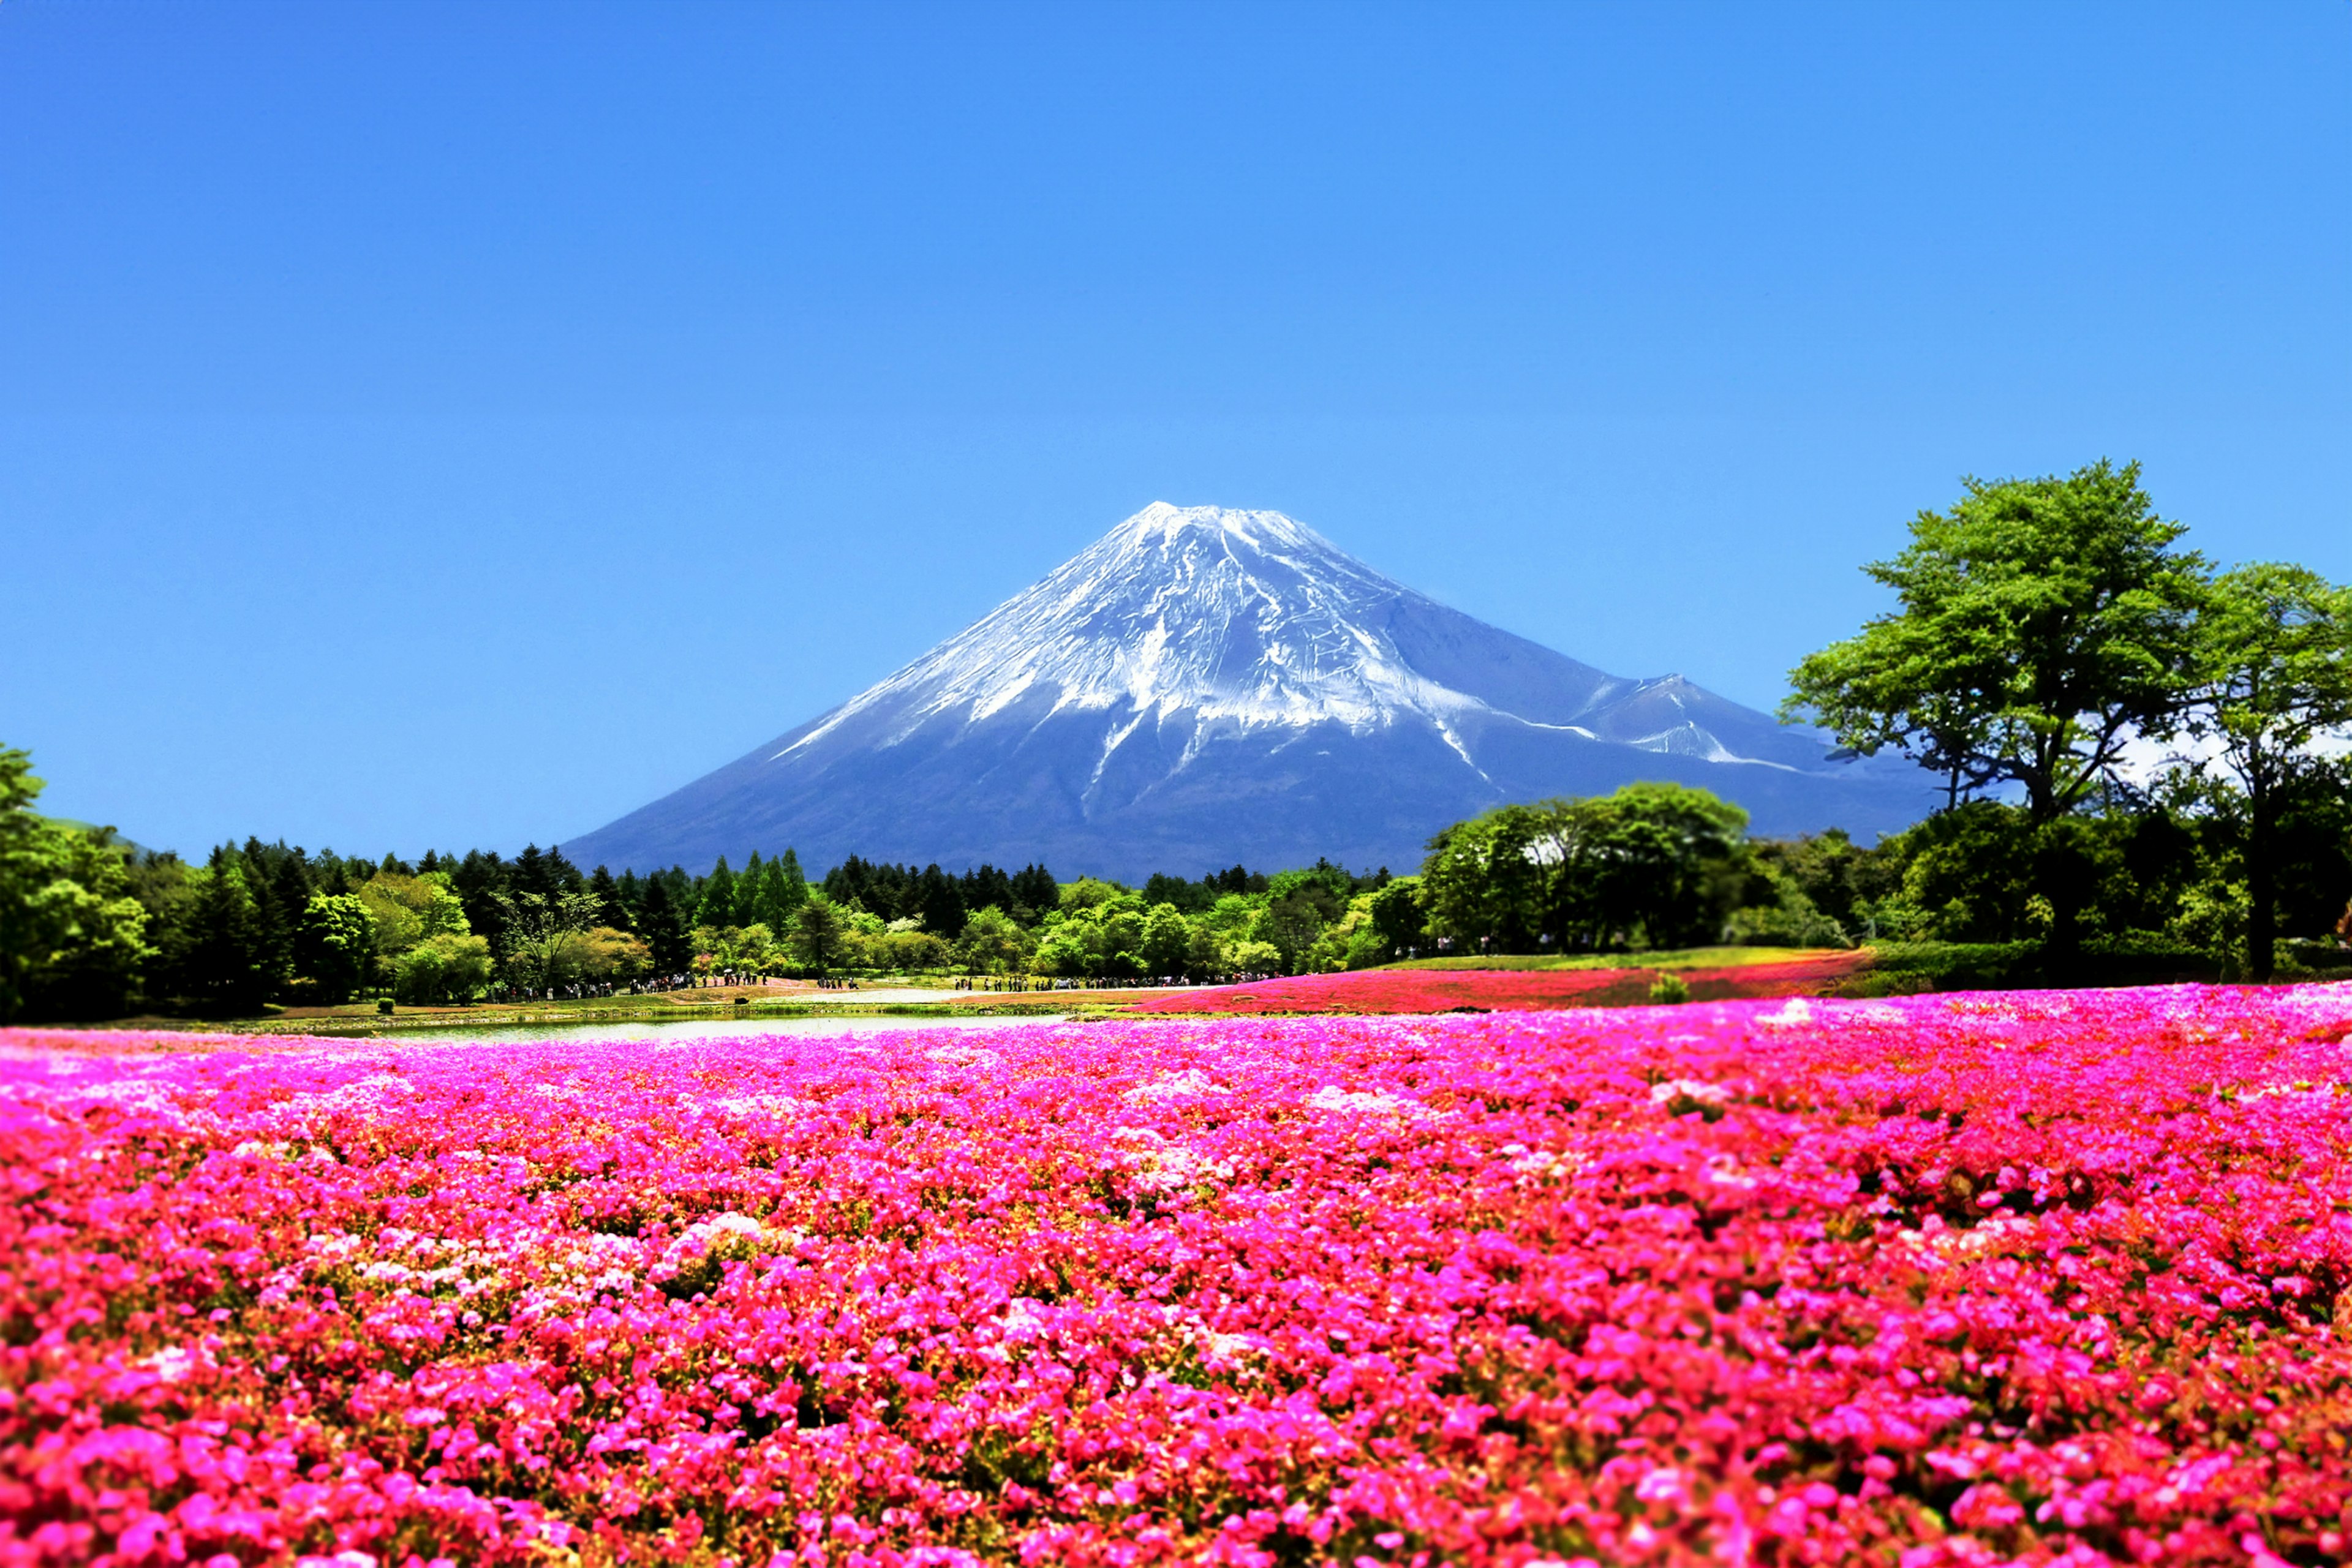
pixel 2042 626
pixel 72 936
pixel 1651 864
pixel 2274 675
pixel 540 926
pixel 335 945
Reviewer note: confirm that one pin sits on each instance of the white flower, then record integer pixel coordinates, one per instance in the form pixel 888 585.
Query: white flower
pixel 1330 1097
pixel 1184 1085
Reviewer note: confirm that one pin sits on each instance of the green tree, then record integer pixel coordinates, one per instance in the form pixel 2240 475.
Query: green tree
pixel 1166 939
pixel 818 936
pixel 663 925
pixel 749 887
pixel 716 907
pixel 611 909
pixel 1488 880
pixel 223 960
pixel 2273 674
pixel 1398 917
pixel 2043 626
pixel 334 945
pixel 1654 863
pixel 993 943
pixel 542 926
pixel 72 934
pixel 444 967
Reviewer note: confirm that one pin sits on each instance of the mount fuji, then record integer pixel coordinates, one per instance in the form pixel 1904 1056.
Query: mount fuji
pixel 1202 687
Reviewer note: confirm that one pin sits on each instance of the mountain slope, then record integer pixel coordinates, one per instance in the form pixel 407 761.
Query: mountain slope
pixel 1201 686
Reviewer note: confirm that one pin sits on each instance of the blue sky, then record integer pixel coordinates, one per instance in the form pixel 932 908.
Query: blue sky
pixel 445 426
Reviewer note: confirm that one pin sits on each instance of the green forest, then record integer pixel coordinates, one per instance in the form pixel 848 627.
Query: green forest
pixel 2144 767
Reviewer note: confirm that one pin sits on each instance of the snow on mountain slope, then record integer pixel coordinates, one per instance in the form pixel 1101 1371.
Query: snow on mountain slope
pixel 1219 686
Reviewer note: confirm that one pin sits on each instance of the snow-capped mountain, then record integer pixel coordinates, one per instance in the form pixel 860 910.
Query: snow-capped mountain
pixel 1201 686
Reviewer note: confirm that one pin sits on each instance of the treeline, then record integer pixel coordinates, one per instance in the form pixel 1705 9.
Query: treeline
pixel 2157 876
pixel 90 929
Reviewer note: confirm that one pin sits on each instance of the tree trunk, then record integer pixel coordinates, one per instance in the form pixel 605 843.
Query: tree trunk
pixel 2262 897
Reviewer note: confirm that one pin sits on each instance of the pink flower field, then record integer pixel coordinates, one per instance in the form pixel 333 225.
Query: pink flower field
pixel 2053 1277
pixel 1502 990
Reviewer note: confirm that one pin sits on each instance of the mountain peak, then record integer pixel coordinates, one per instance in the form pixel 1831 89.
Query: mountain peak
pixel 1164 521
pixel 1204 684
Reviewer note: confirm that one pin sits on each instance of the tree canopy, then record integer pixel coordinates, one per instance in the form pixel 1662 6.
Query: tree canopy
pixel 2043 626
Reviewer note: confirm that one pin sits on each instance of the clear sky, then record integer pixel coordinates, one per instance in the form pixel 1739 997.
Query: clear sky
pixel 451 426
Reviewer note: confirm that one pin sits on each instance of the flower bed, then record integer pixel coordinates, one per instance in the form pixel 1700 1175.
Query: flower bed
pixel 1503 990
pixel 1943 1280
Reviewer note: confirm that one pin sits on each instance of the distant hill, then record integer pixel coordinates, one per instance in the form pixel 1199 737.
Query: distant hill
pixel 1202 687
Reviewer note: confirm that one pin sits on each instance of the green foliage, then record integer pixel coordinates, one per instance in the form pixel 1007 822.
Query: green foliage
pixel 72 934
pixel 2043 625
pixel 1653 865
pixel 219 958
pixel 818 937
pixel 1669 990
pixel 905 952
pixel 2273 674
pixel 608 952
pixel 717 908
pixel 1399 920
pixel 447 966
pixel 541 932
pixel 1791 919
pixel 335 946
pixel 663 925
pixel 993 943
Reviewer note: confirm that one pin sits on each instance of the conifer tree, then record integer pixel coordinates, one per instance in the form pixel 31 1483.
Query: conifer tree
pixel 631 901
pixel 608 900
pixel 663 926
pixel 223 961
pixel 716 906
pixel 795 885
pixel 748 890
pixel 562 874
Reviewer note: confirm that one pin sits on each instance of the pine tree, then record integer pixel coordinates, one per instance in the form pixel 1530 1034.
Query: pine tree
pixel 940 901
pixel 562 874
pixel 276 910
pixel 1035 889
pixel 716 906
pixel 608 900
pixel 223 960
pixel 480 879
pixel 632 900
pixel 663 926
pixel 795 886
pixel 748 890
pixel 290 897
